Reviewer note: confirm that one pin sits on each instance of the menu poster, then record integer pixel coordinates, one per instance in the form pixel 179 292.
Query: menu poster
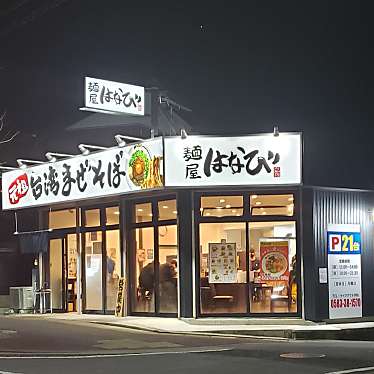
pixel 222 262
pixel 274 260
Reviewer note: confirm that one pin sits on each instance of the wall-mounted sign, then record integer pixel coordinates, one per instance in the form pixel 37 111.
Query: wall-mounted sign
pixel 274 264
pixel 113 171
pixel 344 270
pixel 222 262
pixel 111 96
pixel 244 160
pixel 120 297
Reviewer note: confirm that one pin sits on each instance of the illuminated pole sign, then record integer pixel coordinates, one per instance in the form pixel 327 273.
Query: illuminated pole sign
pixel 344 270
pixel 113 97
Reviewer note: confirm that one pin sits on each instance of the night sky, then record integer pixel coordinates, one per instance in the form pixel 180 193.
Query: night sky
pixel 304 66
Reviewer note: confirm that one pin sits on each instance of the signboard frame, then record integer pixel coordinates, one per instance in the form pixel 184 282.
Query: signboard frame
pixel 283 154
pixel 113 97
pixel 344 271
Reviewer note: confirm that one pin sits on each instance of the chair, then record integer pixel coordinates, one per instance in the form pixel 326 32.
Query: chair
pixel 218 298
pixel 278 296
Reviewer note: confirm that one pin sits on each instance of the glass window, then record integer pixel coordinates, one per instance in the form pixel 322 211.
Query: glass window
pixel 143 212
pixel 72 257
pixel 272 205
pixel 221 206
pixel 168 269
pixel 93 270
pixel 112 215
pixel 167 209
pixel 272 258
pixel 92 217
pixel 61 219
pixel 56 274
pixel 143 291
pixel 223 271
pixel 113 264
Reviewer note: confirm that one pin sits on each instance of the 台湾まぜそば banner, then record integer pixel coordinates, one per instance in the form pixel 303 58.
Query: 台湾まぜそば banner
pixel 110 172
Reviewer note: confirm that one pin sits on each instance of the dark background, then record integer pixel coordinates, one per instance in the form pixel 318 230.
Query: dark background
pixel 304 66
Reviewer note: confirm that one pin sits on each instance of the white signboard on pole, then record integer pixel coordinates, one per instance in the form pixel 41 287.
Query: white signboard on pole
pixel 102 95
pixel 344 271
pixel 241 160
pixel 114 171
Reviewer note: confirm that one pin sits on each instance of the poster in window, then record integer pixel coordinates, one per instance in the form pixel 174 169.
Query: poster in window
pixel 222 263
pixel 274 264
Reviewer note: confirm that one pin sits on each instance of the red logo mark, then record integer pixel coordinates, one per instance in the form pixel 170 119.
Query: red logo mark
pixel 277 171
pixel 18 189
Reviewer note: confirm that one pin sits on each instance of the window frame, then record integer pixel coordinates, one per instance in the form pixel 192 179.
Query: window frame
pixel 155 223
pixel 248 218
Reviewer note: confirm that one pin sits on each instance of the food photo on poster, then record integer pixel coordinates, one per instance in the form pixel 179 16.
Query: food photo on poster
pixel 274 260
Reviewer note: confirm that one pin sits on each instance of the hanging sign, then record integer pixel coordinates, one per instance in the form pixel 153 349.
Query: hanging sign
pixel 113 171
pixel 222 262
pixel 344 271
pixel 274 260
pixel 241 160
pixel 102 95
pixel 120 295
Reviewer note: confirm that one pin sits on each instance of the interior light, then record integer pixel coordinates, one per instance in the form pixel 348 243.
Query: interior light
pixel 208 214
pixel 165 206
pixel 222 200
pixel 233 210
pixel 262 208
pixel 228 206
pixel 174 212
pixel 140 210
pixel 219 207
pixel 263 213
pixel 258 203
pixel 254 196
pixel 116 212
pixel 150 214
pixel 238 215
pixel 290 198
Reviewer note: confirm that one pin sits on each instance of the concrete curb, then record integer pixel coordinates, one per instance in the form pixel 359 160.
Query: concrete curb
pixel 223 334
pixel 366 334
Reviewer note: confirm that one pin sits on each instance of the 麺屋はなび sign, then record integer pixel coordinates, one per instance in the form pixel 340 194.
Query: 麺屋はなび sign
pixel 103 95
pixel 344 271
pixel 240 160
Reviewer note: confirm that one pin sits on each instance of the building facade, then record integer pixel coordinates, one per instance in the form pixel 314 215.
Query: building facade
pixel 199 227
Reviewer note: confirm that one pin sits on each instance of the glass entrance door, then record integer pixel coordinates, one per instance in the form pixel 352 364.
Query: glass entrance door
pixel 63 260
pixel 153 259
pixel 56 273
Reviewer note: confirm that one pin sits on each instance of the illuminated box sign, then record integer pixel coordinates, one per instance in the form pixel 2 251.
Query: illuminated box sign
pixel 347 242
pixel 114 171
pixel 102 95
pixel 344 271
pixel 244 160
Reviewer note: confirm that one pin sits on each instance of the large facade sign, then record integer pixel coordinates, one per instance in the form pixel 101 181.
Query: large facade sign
pixel 111 96
pixel 244 160
pixel 344 271
pixel 113 171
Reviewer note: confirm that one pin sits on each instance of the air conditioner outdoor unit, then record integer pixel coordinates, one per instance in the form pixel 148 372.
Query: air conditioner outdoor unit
pixel 21 298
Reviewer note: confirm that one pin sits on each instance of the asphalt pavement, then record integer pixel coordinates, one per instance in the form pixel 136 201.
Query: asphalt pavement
pixel 31 345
